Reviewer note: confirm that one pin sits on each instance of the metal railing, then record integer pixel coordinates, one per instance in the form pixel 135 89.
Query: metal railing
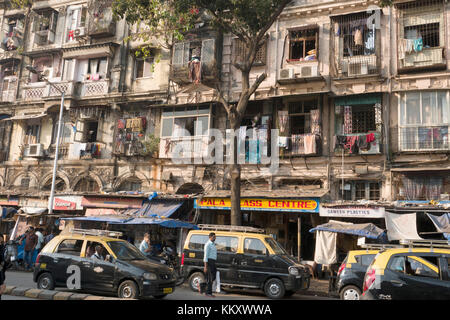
pixel 214 227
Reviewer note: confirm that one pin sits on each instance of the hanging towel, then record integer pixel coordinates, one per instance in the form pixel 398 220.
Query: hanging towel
pixel 310 144
pixel 352 144
pixel 370 138
pixel 357 37
pixel 418 45
pixel 121 124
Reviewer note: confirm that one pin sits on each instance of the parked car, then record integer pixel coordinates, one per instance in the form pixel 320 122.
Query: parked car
pixel 66 261
pixel 350 276
pixel 408 274
pixel 246 258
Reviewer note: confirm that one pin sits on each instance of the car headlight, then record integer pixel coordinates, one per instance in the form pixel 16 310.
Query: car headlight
pixel 150 276
pixel 293 271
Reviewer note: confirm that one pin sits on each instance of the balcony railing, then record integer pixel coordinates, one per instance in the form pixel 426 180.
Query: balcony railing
pixel 300 144
pixel 431 138
pixel 43 38
pixel 95 88
pixel 183 147
pixel 427 57
pixel 42 90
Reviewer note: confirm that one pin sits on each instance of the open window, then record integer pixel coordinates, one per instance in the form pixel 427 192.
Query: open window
pixel 32 133
pixel 75 23
pixel 303 44
pixel 144 67
pixel 44 27
pixel 13 28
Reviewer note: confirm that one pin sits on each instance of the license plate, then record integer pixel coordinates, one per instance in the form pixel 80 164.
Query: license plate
pixel 167 290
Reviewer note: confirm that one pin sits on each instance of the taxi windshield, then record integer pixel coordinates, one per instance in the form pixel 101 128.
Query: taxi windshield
pixel 125 251
pixel 276 247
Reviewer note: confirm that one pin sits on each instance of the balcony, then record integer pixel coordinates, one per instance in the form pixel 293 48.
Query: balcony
pixel 103 25
pixel 430 138
pixel 428 58
pixel 183 147
pixel 94 88
pixel 42 39
pixel 300 144
pixel 41 90
pixel 350 143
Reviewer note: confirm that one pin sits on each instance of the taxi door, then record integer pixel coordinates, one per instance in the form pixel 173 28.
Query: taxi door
pixel 227 247
pixel 254 264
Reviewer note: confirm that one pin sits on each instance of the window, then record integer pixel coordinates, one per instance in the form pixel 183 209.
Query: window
pixel 144 68
pixel 66 130
pixel 71 247
pixel 188 121
pixel 426 186
pixel 421 266
pixel 90 249
pixel 86 131
pixel 424 120
pixel 303 44
pixel 359 190
pixel 227 244
pixel 131 185
pixel 365 259
pixel 13 33
pixel 76 19
pixel 198 241
pixel 300 116
pixel 32 134
pixel 45 21
pixel 254 246
pixel 261 54
pixel 87 185
pixel 97 69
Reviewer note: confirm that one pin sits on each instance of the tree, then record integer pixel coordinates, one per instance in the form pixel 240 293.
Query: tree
pixel 249 20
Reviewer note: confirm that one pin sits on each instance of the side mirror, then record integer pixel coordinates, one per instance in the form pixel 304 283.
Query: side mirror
pixel 109 258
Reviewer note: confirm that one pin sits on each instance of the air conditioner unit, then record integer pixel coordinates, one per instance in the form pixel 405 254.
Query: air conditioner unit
pixel 309 71
pixel 287 74
pixel 358 68
pixel 34 150
pixel 79 32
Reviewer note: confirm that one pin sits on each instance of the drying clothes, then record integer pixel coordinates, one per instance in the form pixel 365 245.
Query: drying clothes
pixel 352 144
pixel 363 144
pixel 195 71
pixel 298 143
pixel 370 137
pixel 339 141
pixel 315 121
pixel 358 37
pixel 337 28
pixel 310 144
pixel 121 124
pixel 348 124
pixel 409 45
pixel 418 45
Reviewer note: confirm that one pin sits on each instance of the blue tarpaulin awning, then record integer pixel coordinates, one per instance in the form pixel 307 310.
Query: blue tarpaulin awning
pixel 163 222
pixel 368 230
pixel 160 207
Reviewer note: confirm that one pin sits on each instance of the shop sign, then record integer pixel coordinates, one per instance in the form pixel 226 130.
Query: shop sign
pixel 67 203
pixel 119 203
pixel 352 212
pixel 287 205
pixel 12 201
pixel 33 202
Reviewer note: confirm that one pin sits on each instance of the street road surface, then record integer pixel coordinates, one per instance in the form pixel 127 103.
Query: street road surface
pixel 25 279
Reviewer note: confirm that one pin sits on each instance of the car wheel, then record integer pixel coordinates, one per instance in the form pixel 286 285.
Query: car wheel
pixel 195 279
pixel 350 293
pixel 128 290
pixel 46 282
pixel 274 288
pixel 162 296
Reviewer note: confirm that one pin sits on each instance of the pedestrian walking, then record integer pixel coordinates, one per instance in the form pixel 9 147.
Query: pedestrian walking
pixel 4 264
pixel 41 240
pixel 31 241
pixel 209 259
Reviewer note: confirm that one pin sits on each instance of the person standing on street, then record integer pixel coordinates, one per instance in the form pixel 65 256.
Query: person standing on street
pixel 4 264
pixel 209 259
pixel 41 241
pixel 31 241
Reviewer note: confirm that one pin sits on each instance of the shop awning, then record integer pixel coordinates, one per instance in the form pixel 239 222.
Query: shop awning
pixel 26 116
pixel 100 212
pixel 160 207
pixel 367 230
pixel 401 226
pixel 358 99
pixel 167 223
pixel 33 210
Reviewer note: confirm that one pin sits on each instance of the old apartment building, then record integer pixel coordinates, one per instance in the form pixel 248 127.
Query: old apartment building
pixel 360 95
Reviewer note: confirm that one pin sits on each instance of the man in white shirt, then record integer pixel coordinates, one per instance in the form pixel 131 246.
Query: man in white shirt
pixel 40 242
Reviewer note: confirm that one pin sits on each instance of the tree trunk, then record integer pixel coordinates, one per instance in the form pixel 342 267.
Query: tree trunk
pixel 235 176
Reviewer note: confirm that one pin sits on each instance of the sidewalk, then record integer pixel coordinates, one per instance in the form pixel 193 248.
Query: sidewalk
pixel 317 288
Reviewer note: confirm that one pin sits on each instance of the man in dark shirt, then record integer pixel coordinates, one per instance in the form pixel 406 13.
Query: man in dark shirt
pixel 31 240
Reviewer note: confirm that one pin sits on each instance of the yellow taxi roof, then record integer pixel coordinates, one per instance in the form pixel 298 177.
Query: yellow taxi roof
pixel 88 237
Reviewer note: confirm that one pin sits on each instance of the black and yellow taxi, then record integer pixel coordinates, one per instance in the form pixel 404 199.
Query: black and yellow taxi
pixel 350 276
pixel 409 273
pixel 96 261
pixel 246 258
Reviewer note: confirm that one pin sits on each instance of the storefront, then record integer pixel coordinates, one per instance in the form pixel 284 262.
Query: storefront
pixel 286 219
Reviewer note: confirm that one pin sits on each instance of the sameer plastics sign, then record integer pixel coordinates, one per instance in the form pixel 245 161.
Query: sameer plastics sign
pixel 288 205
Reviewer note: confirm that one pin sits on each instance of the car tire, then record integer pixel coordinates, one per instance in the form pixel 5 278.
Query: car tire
pixel 128 290
pixel 195 279
pixel 274 288
pixel 161 296
pixel 350 293
pixel 46 282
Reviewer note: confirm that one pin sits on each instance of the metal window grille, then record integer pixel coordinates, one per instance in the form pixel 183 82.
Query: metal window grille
pixel 363 119
pixel 261 54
